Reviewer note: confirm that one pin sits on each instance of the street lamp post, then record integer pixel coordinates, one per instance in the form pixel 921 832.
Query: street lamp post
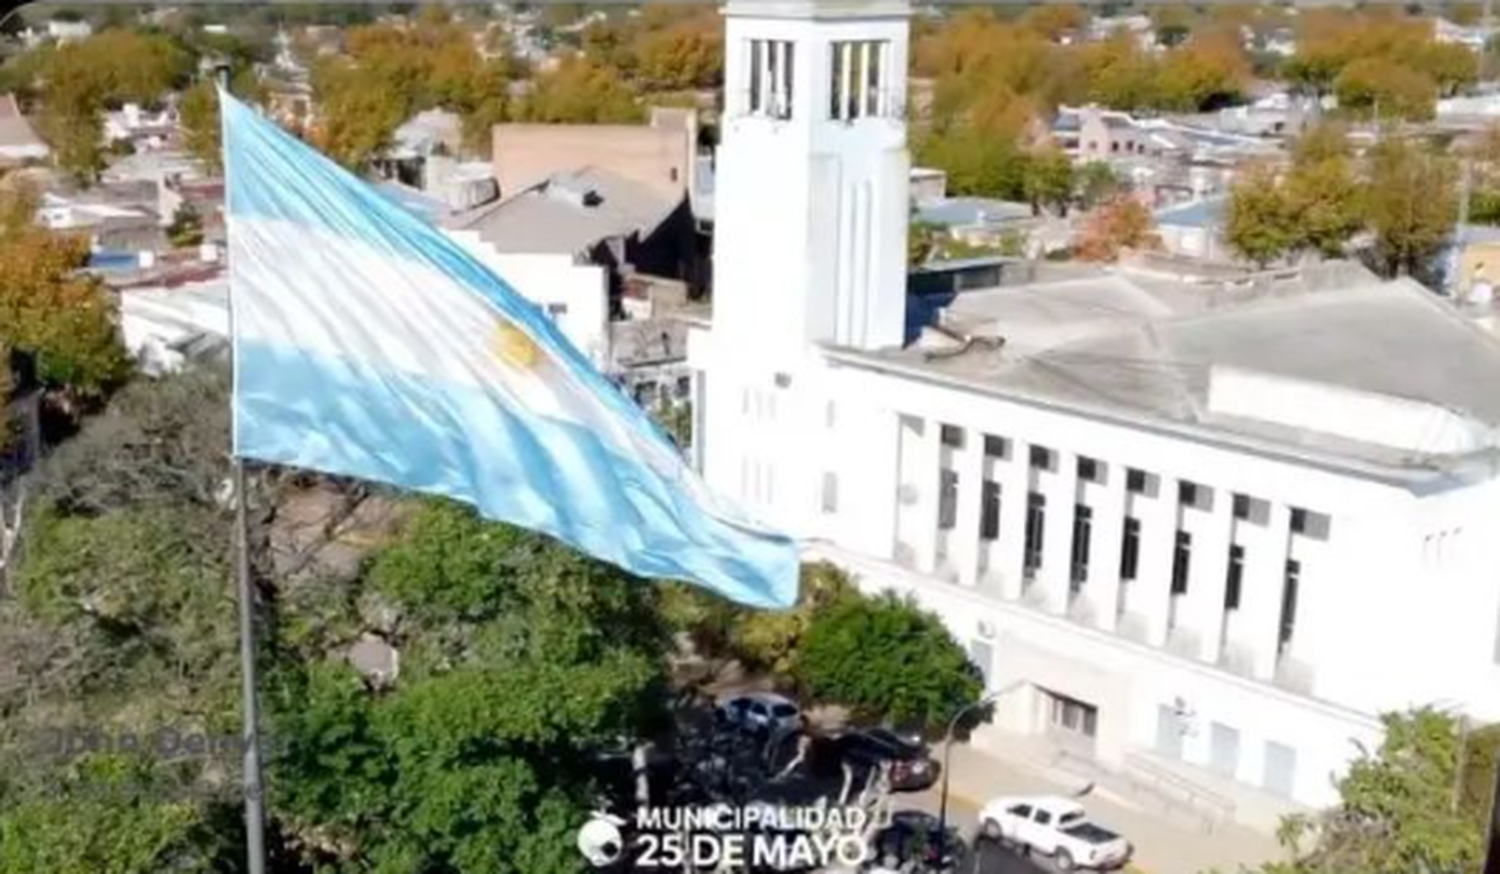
pixel 947 749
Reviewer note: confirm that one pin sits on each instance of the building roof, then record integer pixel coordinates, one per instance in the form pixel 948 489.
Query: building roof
pixel 970 211
pixel 16 133
pixel 1280 366
pixel 568 213
pixel 1204 213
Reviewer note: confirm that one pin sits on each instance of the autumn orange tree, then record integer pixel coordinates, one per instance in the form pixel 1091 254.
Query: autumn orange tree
pixel 1378 63
pixel 580 91
pixel 63 321
pixel 388 72
pixel 1123 223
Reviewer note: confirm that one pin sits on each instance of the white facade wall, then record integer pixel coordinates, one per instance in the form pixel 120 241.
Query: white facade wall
pixel 1396 605
pixel 575 295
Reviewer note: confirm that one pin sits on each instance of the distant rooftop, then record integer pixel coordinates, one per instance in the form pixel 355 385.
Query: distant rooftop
pixel 568 213
pixel 1282 365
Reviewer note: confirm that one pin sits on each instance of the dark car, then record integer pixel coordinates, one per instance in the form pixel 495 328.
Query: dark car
pixel 913 837
pixel 912 767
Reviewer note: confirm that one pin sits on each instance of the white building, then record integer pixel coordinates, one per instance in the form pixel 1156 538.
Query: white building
pixel 1214 529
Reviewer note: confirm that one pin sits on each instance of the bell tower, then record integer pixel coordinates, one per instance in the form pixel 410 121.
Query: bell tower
pixel 811 197
pixel 812 177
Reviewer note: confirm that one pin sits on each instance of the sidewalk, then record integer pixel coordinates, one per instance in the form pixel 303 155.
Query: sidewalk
pixel 1163 844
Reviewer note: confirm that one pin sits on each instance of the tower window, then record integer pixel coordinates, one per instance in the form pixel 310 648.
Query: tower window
pixel 858 85
pixel 771 68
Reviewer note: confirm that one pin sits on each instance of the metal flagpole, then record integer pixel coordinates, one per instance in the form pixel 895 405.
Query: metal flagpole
pixel 255 812
pixel 255 815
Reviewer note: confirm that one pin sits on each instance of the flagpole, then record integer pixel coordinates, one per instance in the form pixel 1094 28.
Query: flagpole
pixel 255 811
pixel 255 816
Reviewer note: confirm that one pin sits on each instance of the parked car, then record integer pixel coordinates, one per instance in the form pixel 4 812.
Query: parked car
pixel 1058 827
pixel 912 767
pixel 759 711
pixel 913 837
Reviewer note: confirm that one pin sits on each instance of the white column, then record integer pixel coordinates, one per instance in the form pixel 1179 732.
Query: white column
pixel 1060 486
pixel 1210 574
pixel 1151 591
pixel 963 540
pixel 925 477
pixel 862 87
pixel 1260 596
pixel 1103 585
pixel 870 481
pixel 767 83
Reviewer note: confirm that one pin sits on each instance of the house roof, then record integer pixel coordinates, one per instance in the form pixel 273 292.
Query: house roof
pixel 1197 214
pixel 970 211
pixel 1276 366
pixel 16 131
pixel 568 213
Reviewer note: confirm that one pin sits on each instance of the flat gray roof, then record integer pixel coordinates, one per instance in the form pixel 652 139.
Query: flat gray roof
pixel 1149 350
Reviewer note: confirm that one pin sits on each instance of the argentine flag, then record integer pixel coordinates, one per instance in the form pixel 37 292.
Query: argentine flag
pixel 367 344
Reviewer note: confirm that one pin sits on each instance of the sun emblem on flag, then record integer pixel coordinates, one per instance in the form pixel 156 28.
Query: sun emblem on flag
pixel 515 348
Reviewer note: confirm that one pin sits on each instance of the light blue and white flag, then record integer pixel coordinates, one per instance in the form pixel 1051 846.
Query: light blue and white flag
pixel 368 344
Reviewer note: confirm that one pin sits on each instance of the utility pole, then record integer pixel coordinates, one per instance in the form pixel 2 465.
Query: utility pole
pixel 1461 232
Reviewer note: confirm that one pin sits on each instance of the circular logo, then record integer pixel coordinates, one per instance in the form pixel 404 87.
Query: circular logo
pixel 600 841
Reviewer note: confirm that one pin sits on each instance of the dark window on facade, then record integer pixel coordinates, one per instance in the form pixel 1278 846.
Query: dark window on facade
pixel 1083 527
pixel 1242 506
pixel 1236 577
pixel 1089 470
pixel 1310 524
pixel 1130 549
pixel 1135 481
pixel 996 447
pixel 953 436
pixel 1182 556
pixel 1187 493
pixel 989 513
pixel 1041 457
pixel 948 500
pixel 1036 520
pixel 1288 605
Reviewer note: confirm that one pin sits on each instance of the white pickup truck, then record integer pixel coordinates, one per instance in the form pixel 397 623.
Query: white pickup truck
pixel 1058 827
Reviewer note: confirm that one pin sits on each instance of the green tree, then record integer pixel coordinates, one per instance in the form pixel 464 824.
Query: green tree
pixel 1049 181
pixel 1261 225
pixel 63 320
pixel 1411 202
pixel 520 657
pixel 885 657
pixel 1325 200
pixel 769 640
pixel 581 92
pixel 1374 87
pixel 1396 811
pixel 186 228
pixel 104 815
pixel 1097 183
pixel 199 115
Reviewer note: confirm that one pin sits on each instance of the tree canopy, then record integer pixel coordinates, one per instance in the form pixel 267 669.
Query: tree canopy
pixel 885 657
pixel 62 320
